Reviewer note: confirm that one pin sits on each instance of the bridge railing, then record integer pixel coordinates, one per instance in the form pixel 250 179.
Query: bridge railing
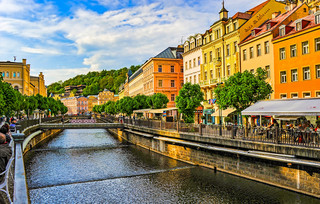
pixel 275 135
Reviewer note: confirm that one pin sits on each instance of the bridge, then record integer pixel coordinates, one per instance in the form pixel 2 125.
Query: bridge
pixel 63 126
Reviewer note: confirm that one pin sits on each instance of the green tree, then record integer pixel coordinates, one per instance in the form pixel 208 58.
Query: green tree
pixel 126 105
pixel 140 102
pixel 189 98
pixel 158 100
pixel 242 90
pixel 8 98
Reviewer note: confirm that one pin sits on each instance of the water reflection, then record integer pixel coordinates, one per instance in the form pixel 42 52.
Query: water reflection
pixel 103 170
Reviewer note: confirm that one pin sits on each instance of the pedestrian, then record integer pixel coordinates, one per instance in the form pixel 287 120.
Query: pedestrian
pixel 13 127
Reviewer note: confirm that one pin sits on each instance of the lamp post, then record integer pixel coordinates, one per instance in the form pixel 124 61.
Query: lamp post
pixel 220 121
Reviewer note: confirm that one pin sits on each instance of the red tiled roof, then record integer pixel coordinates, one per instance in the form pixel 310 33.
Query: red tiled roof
pixel 242 16
pixel 277 20
pixel 311 24
pixel 257 8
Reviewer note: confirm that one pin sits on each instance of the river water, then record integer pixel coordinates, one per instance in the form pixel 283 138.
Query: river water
pixel 91 166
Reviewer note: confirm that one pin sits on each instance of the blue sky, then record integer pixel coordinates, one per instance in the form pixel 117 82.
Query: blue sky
pixel 69 37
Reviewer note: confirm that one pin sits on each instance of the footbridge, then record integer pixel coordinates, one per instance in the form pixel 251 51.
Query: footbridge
pixel 63 126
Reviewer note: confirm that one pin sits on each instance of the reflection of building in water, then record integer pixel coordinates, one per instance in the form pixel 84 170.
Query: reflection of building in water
pixel 18 75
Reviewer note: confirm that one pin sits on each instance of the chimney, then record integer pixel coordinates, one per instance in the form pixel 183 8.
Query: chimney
pixel 24 61
pixel 292 5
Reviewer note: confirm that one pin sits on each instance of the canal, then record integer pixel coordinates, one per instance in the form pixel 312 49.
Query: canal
pixel 91 166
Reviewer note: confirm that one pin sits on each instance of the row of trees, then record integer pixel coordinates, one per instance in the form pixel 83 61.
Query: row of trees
pixel 239 92
pixel 12 102
pixel 127 104
pixel 95 81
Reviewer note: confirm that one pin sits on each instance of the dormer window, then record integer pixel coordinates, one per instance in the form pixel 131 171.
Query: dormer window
pixel 253 33
pixel 298 25
pixel 282 31
pixel 268 26
pixel 317 17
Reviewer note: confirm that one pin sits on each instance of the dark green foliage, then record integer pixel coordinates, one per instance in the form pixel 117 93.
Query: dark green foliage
pixel 95 81
pixel 242 90
pixel 140 102
pixel 158 101
pixel 189 98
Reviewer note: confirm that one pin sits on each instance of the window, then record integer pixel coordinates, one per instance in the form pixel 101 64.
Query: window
pixel 159 68
pixel 160 83
pixel 210 56
pixel 16 88
pixel 282 53
pixel 172 83
pixel 317 44
pixel 186 80
pixel 228 70
pixel 14 75
pixel 211 74
pixel 306 73
pixel 194 79
pixel 266 47
pixel 306 95
pixel 268 71
pixel 318 71
pixel 228 50
pixel 294 75
pixel 317 18
pixel 172 68
pixel 194 62
pixel 205 76
pixel 283 77
pixel 294 95
pixel 219 72
pixel 252 71
pixel 298 26
pixel 318 94
pixel 3 74
pixel 186 65
pixel 244 54
pixel 305 47
pixel 205 58
pixel 7 74
pixel 172 97
pixel 283 96
pixel 251 52
pixel 235 26
pixel 293 50
pixel 218 52
pixel 235 47
pixel 181 68
pixel 198 61
pixel 258 50
pixel 268 26
pixel 282 31
pixel 228 29
pixel 190 64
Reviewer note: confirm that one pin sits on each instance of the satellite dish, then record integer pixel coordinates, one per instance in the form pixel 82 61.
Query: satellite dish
pixel 286 8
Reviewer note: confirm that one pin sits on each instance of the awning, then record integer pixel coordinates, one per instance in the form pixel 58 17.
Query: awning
pixel 285 107
pixel 286 118
pixel 141 110
pixel 225 112
pixel 161 110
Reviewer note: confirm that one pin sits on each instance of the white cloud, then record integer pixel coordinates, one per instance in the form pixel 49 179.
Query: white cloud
pixel 40 51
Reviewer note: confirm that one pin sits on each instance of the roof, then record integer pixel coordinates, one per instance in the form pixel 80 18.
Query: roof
pixel 285 107
pixel 311 24
pixel 171 53
pixel 241 15
pixel 257 8
pixel 277 20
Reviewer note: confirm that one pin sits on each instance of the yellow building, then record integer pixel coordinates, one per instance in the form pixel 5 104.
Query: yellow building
pixel 92 101
pixel 257 49
pixel 18 75
pixel 105 96
pixel 220 52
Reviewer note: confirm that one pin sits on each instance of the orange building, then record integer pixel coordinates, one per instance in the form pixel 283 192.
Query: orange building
pixel 297 58
pixel 164 74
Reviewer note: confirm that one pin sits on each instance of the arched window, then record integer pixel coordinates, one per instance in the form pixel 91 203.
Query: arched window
pixel 7 74
pixel 18 74
pixel 14 74
pixel 16 88
pixel 3 74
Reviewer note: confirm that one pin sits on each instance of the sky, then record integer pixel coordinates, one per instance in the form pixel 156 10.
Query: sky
pixel 64 38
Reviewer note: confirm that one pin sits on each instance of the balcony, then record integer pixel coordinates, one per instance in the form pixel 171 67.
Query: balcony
pixel 203 83
pixel 217 61
pixel 212 81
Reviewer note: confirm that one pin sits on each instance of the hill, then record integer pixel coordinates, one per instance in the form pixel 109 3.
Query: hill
pixel 95 81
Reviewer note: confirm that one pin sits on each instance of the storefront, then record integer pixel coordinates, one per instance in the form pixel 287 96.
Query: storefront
pixel 209 119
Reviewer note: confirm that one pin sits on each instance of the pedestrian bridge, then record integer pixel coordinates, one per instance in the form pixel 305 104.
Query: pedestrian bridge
pixel 80 125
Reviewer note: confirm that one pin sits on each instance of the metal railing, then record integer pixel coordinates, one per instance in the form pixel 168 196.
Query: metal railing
pixel 275 135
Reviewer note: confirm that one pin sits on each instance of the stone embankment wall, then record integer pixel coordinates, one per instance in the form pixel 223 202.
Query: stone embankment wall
pixel 277 171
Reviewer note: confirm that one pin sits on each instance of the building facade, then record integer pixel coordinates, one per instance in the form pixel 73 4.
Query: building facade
pixel 92 101
pixel 82 104
pixel 136 83
pixel 164 74
pixel 192 58
pixel 257 49
pixel 105 96
pixel 18 75
pixel 297 54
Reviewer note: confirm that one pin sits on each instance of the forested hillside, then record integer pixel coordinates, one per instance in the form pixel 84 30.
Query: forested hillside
pixel 95 81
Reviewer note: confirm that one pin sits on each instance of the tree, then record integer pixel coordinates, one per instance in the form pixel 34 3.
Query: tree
pixel 8 98
pixel 189 98
pixel 158 100
pixel 242 90
pixel 140 102
pixel 126 105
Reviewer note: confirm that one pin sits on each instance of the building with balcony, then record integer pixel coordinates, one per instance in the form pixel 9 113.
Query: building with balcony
pixel 92 101
pixel 296 58
pixel 105 96
pixel 136 83
pixel 163 73
pixel 76 90
pixel 220 51
pixel 18 75
pixel 76 105
pixel 257 49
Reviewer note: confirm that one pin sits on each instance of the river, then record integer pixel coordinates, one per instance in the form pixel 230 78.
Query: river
pixel 91 166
